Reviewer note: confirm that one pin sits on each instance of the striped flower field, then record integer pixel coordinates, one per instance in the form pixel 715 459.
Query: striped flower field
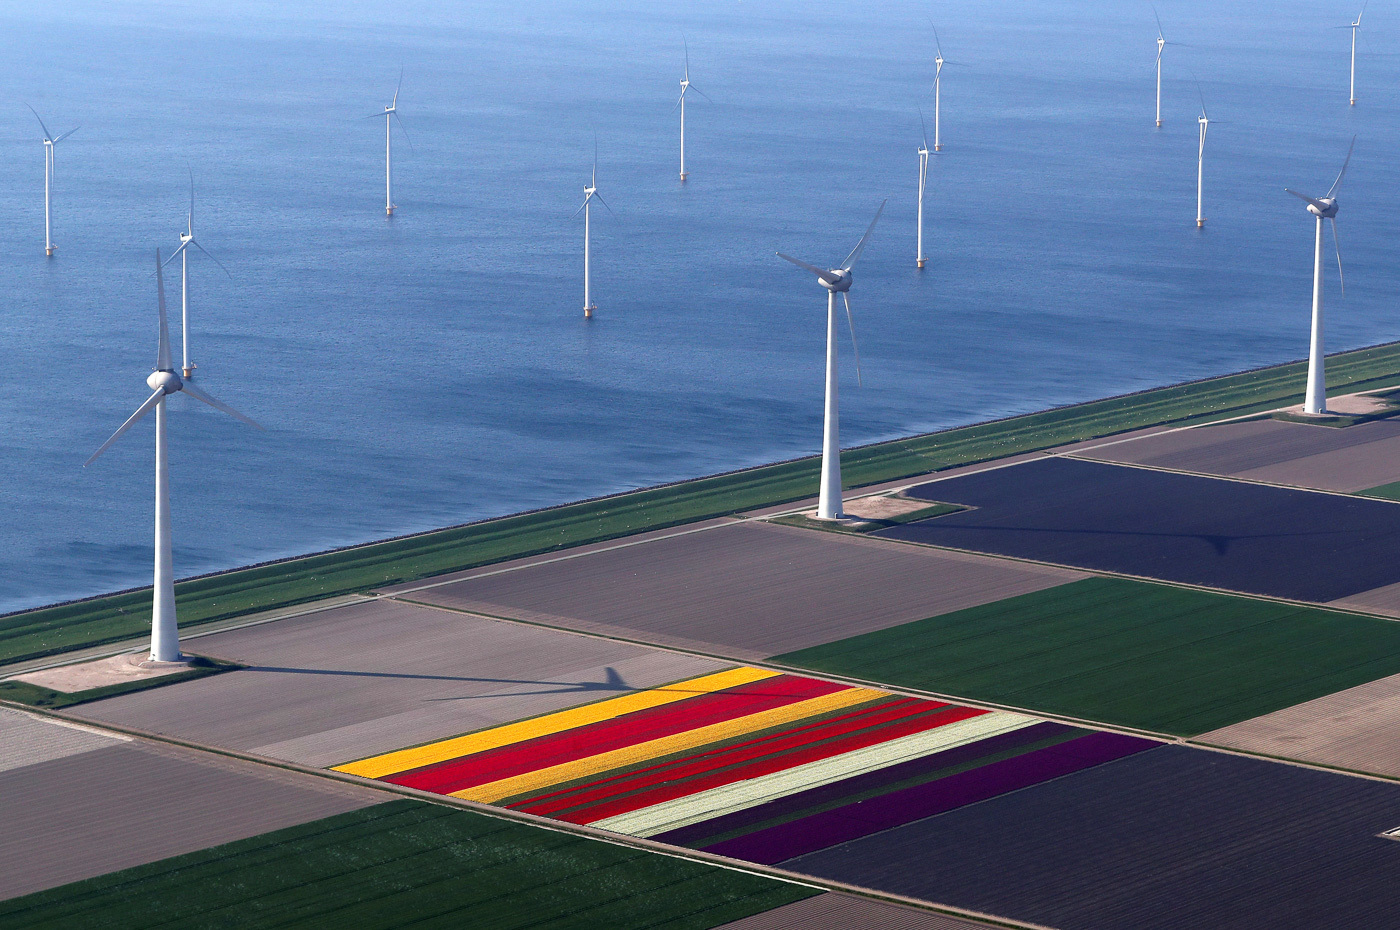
pixel 749 763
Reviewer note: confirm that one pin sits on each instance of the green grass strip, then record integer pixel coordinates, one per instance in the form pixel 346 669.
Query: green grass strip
pixel 113 618
pixel 1149 656
pixel 408 863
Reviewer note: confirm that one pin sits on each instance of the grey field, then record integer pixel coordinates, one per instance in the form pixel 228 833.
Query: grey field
pixel 83 804
pixel 1353 459
pixel 747 590
pixel 354 681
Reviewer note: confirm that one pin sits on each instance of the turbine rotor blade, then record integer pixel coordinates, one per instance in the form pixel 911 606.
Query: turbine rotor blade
pixel 687 59
pixel 176 254
pixel 211 258
pixel 397 89
pixel 47 135
pixel 1337 244
pixel 1362 13
pixel 854 257
pixel 141 411
pixel 163 353
pixel 701 92
pixel 1316 203
pixel 217 404
pixel 582 205
pixel 1159 24
pixel 66 134
pixel 603 202
pixel 819 272
pixel 923 127
pixel 403 130
pixel 1343 173
pixel 854 347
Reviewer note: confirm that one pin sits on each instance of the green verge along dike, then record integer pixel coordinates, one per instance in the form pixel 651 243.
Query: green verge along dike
pixel 113 618
pixel 1141 655
pixel 409 863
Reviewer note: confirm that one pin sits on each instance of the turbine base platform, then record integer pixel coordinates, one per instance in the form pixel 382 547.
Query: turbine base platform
pixel 388 211
pixel 1353 101
pixel 1200 223
pixel 1159 124
pixel 921 263
pixel 188 371
pixel 938 148
pixel 682 175
pixel 153 663
pixel 49 251
pixel 588 311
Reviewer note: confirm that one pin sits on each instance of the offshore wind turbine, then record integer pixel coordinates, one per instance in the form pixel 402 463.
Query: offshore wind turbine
pixel 1204 121
pixel 836 281
pixel 1161 44
pixel 923 177
pixel 1324 208
pixel 187 239
pixel 391 113
pixel 165 635
pixel 1354 27
pixel 937 92
pixel 680 102
pixel 589 193
pixel 49 142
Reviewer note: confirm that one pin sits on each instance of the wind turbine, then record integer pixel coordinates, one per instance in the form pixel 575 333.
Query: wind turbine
pixel 589 193
pixel 680 102
pixel 165 635
pixel 1161 44
pixel 836 281
pixel 187 239
pixel 923 177
pixel 1324 208
pixel 49 142
pixel 937 91
pixel 1204 121
pixel 391 113
pixel 1354 27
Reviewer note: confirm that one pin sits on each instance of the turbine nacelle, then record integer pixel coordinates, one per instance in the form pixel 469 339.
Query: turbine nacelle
pixel 166 381
pixel 837 280
pixel 1323 208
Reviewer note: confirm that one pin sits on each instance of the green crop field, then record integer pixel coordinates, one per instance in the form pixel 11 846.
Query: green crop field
pixel 1389 492
pixel 1149 656
pixel 98 621
pixel 407 863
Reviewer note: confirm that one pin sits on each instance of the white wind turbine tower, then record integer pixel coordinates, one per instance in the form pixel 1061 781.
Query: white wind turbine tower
pixel 1324 208
pixel 187 239
pixel 1161 44
pixel 391 113
pixel 923 177
pixel 680 102
pixel 836 281
pixel 937 92
pixel 165 636
pixel 49 142
pixel 1204 121
pixel 589 193
pixel 1354 27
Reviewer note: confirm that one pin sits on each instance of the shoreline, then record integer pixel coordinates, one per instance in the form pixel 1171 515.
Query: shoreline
pixel 600 518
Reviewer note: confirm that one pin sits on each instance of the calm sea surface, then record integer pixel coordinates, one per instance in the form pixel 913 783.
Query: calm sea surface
pixel 435 368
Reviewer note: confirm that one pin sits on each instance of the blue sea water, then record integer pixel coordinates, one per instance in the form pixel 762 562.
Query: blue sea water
pixel 435 368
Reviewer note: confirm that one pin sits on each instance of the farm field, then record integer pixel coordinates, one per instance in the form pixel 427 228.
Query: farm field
pixel 408 862
pixel 1135 654
pixel 1237 536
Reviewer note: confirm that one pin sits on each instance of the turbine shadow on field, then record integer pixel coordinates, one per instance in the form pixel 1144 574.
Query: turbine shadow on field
pixel 612 681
